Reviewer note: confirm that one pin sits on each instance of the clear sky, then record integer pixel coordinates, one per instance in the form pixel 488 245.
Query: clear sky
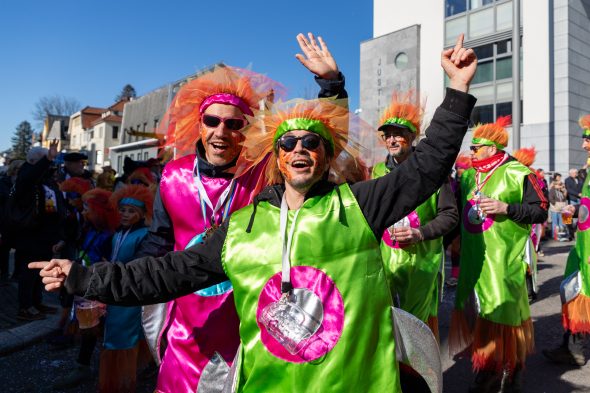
pixel 89 50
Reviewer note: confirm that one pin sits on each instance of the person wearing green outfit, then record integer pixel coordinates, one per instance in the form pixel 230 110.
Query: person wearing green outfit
pixel 412 249
pixel 304 258
pixel 575 288
pixel 501 198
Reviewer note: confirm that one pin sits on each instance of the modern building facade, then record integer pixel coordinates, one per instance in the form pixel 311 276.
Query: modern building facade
pixel 554 65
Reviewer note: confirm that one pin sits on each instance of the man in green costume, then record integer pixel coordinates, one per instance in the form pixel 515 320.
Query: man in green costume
pixel 501 198
pixel 304 259
pixel 412 249
pixel 575 288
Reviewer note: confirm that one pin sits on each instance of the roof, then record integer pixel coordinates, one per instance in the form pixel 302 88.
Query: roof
pixel 109 118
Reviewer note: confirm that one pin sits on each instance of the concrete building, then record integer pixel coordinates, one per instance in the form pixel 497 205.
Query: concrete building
pixel 80 123
pixel 555 65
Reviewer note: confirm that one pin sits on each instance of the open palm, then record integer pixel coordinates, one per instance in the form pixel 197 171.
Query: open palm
pixel 317 58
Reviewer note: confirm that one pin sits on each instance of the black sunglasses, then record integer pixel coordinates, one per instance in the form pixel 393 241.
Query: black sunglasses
pixel 309 142
pixel 233 123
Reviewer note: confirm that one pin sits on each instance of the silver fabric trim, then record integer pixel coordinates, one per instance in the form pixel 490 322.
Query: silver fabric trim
pixel 153 318
pixel 416 346
pixel 231 382
pixel 214 375
pixel 570 287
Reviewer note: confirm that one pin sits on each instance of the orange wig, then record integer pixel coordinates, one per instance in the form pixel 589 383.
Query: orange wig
pixel 494 132
pixel 75 184
pixel 404 109
pixel 99 210
pixel 137 192
pixel 182 121
pixel 526 156
pixel 585 124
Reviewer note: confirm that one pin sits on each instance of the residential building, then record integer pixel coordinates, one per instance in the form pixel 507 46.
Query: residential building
pixel 554 65
pixel 56 128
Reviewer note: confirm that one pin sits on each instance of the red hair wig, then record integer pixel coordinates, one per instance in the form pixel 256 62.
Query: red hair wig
pixel 139 193
pixel 100 212
pixel 75 184
pixel 495 132
pixel 404 106
pixel 526 156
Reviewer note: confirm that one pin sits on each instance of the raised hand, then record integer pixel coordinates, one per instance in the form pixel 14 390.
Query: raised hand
pixel 317 59
pixel 52 152
pixel 459 65
pixel 54 272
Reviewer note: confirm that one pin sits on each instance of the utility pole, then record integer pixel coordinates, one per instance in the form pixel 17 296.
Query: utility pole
pixel 516 114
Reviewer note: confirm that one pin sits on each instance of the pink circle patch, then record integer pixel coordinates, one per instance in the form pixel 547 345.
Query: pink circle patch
pixel 583 214
pixel 414 223
pixel 475 226
pixel 326 337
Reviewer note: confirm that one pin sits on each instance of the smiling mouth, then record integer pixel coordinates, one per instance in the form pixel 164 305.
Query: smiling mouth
pixel 219 145
pixel 301 164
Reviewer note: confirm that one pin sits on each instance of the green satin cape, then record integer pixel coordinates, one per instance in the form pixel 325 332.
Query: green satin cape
pixel 492 261
pixel 578 256
pixel 412 272
pixel 333 236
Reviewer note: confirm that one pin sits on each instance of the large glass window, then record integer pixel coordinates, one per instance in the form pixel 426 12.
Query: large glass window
pixel 483 114
pixel 484 73
pixel 454 7
pixel 453 28
pixel 504 16
pixel 481 23
pixel 474 4
pixel 504 68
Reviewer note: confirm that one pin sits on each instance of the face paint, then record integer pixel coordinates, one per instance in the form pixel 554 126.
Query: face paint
pixel 222 145
pixel 130 215
pixel 302 168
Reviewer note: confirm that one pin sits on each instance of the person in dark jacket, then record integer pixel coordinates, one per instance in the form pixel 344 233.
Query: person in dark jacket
pixel 6 182
pixel 35 184
pixel 379 203
pixel 573 185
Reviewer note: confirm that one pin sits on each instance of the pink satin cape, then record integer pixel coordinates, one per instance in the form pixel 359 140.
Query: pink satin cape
pixel 198 326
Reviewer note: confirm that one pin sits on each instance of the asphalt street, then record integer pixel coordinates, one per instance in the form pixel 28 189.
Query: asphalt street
pixel 34 368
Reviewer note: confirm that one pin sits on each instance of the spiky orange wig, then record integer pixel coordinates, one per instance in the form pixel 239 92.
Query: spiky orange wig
pixel 335 122
pixel 463 161
pixel 137 192
pixel 182 121
pixel 492 133
pixel 75 184
pixel 142 175
pixel 404 110
pixel 100 212
pixel 585 124
pixel 526 155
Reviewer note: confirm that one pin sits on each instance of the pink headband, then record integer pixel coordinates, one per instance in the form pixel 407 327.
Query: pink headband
pixel 228 99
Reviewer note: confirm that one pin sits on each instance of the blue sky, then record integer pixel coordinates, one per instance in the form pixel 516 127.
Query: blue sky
pixel 90 50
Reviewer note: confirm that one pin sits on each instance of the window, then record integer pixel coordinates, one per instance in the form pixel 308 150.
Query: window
pixel 115 132
pixel 504 68
pixel 454 7
pixel 144 126
pixel 481 23
pixel 454 27
pixel 132 156
pixel 401 61
pixel 484 73
pixel 504 16
pixel 145 156
pixel 483 114
pixel 474 4
pixel 156 121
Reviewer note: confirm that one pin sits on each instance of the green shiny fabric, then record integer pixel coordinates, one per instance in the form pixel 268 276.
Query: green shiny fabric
pixel 487 142
pixel 586 133
pixel 492 262
pixel 331 235
pixel 412 272
pixel 400 121
pixel 579 254
pixel 299 123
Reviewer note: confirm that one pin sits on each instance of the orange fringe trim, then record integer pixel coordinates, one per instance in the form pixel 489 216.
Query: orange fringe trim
pixel 433 325
pixel 498 347
pixel 494 346
pixel 575 315
pixel 460 333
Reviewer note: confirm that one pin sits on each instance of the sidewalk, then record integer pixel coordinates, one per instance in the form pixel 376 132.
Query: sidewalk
pixel 16 334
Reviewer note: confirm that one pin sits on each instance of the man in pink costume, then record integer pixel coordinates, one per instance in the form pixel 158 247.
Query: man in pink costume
pixel 196 193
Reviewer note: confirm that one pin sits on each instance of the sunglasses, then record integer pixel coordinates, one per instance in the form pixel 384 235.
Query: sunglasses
pixel 475 149
pixel 233 123
pixel 309 142
pixel 396 137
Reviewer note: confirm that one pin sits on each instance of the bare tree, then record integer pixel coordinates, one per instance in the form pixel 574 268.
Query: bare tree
pixel 54 105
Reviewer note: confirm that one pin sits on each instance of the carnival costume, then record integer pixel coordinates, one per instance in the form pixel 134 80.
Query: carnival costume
pixel 202 324
pixel 412 270
pixel 309 284
pixel 122 354
pixel 575 289
pixel 492 261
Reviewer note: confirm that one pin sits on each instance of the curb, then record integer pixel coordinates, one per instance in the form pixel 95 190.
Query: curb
pixel 21 336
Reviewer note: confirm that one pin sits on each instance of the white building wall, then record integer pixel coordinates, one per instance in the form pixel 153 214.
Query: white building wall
pixel 393 15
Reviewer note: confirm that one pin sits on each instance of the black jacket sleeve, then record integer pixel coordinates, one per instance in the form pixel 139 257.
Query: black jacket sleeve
pixel 152 280
pixel 160 237
pixel 332 87
pixel 29 176
pixel 447 215
pixel 533 209
pixel 389 198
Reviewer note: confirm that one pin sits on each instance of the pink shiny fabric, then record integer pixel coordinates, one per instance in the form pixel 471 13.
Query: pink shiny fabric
pixel 198 326
pixel 414 223
pixel 227 99
pixel 331 329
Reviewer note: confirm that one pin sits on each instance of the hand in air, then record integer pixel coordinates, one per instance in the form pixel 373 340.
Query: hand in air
pixel 459 65
pixel 317 59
